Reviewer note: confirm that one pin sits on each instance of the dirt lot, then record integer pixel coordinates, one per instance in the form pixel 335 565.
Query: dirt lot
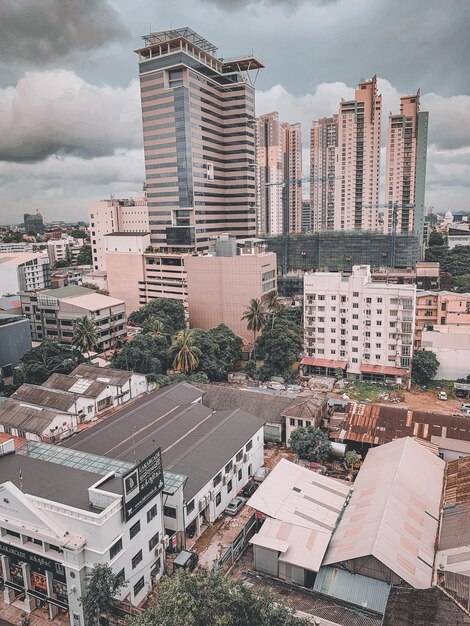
pixel 427 401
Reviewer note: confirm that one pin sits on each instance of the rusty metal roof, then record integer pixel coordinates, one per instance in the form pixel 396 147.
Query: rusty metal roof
pixel 377 424
pixel 457 488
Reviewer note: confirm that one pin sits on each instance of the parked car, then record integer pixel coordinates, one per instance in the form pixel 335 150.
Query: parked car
pixel 249 489
pixel 261 474
pixel 442 395
pixel 465 407
pixel 235 505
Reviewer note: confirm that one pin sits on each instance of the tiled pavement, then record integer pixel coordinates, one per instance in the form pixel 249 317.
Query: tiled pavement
pixel 10 614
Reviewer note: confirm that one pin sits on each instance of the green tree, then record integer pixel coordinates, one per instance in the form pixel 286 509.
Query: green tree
pixel 154 327
pixel 310 444
pixel 281 345
pixel 185 354
pixel 456 261
pixel 78 234
pixel 251 369
pixel 168 310
pixel 103 292
pixel 102 585
pixel 424 366
pixel 461 284
pixel 255 315
pixel 48 358
pixel 205 598
pixel 220 351
pixel 84 256
pixel 144 354
pixel 293 314
pixel 85 334
pixel 351 458
pixel 60 264
pixel 436 239
pixel 272 304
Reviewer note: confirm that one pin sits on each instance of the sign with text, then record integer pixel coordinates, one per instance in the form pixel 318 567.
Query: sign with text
pixel 39 564
pixel 142 483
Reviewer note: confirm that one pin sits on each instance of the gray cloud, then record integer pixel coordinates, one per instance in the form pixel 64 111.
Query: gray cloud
pixel 57 113
pixel 40 31
pixel 234 5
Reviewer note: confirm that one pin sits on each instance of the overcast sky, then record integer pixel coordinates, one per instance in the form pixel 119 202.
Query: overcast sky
pixel 70 126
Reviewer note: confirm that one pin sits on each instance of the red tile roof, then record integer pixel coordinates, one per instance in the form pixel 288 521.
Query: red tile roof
pixel 308 360
pixel 384 369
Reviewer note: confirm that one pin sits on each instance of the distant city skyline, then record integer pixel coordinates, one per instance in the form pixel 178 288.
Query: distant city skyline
pixel 70 116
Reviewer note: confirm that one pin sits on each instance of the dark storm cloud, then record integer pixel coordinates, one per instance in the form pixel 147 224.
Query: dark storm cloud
pixel 40 31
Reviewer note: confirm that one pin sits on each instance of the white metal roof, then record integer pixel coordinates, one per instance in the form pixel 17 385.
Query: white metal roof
pixel 393 512
pixel 295 494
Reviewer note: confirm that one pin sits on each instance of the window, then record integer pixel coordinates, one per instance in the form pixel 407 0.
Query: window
pixel 154 541
pixel 134 530
pixel 443 306
pixel 115 549
pixel 121 575
pixel 249 445
pixel 379 323
pixel 355 350
pixel 239 456
pixel 217 479
pixel 355 294
pixel 190 507
pixel 321 297
pixel 368 300
pixel 443 320
pixel 240 474
pixel 169 511
pixel 355 305
pixel 151 513
pixel 355 327
pixel 228 467
pixel 139 586
pixel 378 345
pixel 355 316
pixel 379 311
pixel 379 300
pixel 354 338
pixel 229 486
pixel 136 559
pixel 218 499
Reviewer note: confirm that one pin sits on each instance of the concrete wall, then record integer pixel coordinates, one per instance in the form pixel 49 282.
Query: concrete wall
pixel 124 271
pixel 451 345
pixel 220 288
pixel 15 340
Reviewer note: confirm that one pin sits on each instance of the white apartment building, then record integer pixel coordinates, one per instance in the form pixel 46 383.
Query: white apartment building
pixel 62 512
pixel 364 328
pixel 115 216
pixel 24 271
pixel 63 249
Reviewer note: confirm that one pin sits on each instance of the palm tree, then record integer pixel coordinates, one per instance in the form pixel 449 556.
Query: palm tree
pixel 255 315
pixel 272 303
pixel 186 354
pixel 155 327
pixel 85 335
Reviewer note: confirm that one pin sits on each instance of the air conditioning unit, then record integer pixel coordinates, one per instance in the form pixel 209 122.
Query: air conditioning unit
pixel 158 549
pixel 224 480
pixel 202 505
pixel 245 458
pixel 166 541
pixel 212 494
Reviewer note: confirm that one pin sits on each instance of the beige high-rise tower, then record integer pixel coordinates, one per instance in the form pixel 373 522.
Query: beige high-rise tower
pixel 345 163
pixel 279 174
pixel 358 159
pixel 406 167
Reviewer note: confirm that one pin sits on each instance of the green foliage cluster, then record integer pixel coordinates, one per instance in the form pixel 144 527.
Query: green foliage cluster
pixel 456 261
pixel 46 359
pixel 84 256
pixel 168 311
pixel 280 346
pixel 310 444
pixel 461 284
pixel 205 598
pixel 102 585
pixel 424 366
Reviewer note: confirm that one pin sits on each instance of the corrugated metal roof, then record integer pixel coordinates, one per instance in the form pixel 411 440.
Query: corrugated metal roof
pixel 458 481
pixel 108 375
pixel 52 398
pixel 393 513
pixel 15 415
pixel 377 424
pixel 75 384
pixel 307 407
pixel 354 588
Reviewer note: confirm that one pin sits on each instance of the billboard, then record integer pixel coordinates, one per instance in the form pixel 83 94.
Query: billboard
pixel 142 483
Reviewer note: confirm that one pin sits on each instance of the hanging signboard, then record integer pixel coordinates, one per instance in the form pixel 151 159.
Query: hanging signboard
pixel 142 483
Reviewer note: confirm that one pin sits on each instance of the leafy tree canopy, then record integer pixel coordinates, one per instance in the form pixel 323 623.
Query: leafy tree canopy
pixel 208 599
pixel 293 314
pixel 78 234
pixel 461 284
pixel 220 350
pixel 168 311
pixel 144 354
pixel 424 367
pixel 280 345
pixel 11 237
pixel 436 239
pixel 84 256
pixel 102 585
pixel 456 261
pixel 103 292
pixel 48 358
pixel 310 444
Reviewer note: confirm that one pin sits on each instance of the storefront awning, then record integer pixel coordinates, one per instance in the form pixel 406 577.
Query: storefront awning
pixel 384 369
pixel 308 360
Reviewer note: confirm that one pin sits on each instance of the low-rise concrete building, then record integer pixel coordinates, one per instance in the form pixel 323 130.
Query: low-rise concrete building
pixel 451 345
pixel 439 308
pixel 124 385
pixel 15 341
pixel 65 401
pixel 24 271
pixel 53 312
pixel 35 423
pixel 64 512
pixel 214 453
